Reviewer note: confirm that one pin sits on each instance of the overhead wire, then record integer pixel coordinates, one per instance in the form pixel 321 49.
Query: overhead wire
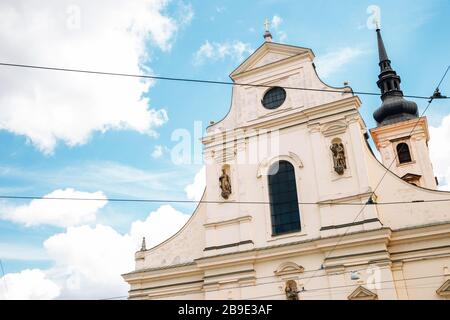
pixel 10 197
pixel 192 80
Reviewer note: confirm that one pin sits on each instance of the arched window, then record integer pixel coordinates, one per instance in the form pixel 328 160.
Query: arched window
pixel 284 209
pixel 403 153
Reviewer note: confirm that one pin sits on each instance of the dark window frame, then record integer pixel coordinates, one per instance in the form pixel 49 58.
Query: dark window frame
pixel 274 98
pixel 283 198
pixel 403 153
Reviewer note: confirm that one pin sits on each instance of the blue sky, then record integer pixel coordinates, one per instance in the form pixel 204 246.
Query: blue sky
pixel 119 162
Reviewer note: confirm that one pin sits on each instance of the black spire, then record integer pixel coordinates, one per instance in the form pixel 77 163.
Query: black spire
pixel 394 107
pixel 381 49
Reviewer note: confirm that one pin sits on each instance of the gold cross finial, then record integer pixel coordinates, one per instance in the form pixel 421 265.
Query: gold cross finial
pixel 266 24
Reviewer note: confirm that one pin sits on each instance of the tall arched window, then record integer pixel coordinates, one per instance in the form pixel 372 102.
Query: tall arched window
pixel 284 209
pixel 403 153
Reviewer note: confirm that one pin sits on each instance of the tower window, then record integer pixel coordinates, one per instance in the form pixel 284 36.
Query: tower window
pixel 403 153
pixel 285 213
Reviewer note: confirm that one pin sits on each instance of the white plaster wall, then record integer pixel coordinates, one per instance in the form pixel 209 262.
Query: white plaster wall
pixel 185 246
pixel 246 101
pixel 426 276
pixel 394 189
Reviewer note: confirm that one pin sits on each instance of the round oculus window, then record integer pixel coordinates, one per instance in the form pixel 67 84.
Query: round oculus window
pixel 274 98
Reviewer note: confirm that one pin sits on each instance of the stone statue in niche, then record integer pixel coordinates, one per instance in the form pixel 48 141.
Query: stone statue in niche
pixel 340 163
pixel 225 184
pixel 291 290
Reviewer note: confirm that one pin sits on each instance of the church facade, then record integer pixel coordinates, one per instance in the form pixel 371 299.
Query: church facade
pixel 296 204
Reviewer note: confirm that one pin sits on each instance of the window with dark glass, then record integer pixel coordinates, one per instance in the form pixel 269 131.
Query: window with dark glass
pixel 285 213
pixel 403 153
pixel 274 98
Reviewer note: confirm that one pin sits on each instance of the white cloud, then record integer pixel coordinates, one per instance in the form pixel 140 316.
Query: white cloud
pixel 195 190
pixel 89 260
pixel 28 285
pixel 185 13
pixel 60 213
pixel 333 62
pixel 157 152
pixel 215 51
pixel 159 225
pixel 282 36
pixel 220 9
pixel 276 21
pixel 440 152
pixel 48 107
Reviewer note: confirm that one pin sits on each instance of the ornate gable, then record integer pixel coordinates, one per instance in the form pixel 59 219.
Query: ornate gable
pixel 270 53
pixel 444 290
pixel 362 293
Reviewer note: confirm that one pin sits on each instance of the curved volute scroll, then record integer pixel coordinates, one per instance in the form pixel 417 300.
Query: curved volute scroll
pixel 264 166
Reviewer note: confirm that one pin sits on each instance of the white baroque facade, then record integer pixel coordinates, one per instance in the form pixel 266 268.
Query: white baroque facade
pixel 341 248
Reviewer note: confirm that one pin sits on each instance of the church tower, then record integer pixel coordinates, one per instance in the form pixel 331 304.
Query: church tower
pixel 401 136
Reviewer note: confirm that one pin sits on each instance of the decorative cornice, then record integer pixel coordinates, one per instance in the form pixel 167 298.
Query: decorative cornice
pixel 229 273
pixel 197 282
pixel 246 67
pixel 229 245
pixel 400 130
pixel 360 254
pixel 346 198
pixel 182 269
pixel 421 232
pixel 295 248
pixel 345 225
pixel 310 116
pixel 227 222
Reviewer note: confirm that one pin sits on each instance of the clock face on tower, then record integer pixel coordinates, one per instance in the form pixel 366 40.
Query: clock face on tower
pixel 273 98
